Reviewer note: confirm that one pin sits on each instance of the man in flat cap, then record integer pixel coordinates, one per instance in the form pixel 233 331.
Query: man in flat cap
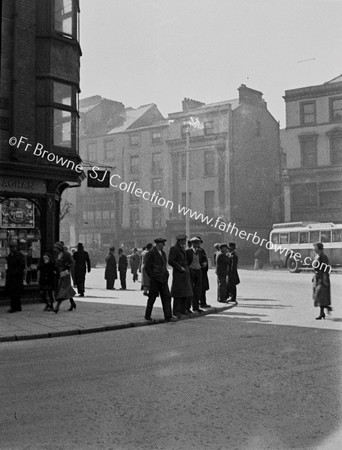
pixel 156 269
pixel 181 288
pixel 205 279
pixel 233 275
pixel 195 260
pixel 15 276
pixel 222 264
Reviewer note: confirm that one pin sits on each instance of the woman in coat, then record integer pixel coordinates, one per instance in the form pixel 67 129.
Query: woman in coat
pixel 64 264
pixel 321 281
pixel 145 280
pixel 111 273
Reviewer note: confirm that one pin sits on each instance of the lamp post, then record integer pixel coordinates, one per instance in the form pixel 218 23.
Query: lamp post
pixel 187 179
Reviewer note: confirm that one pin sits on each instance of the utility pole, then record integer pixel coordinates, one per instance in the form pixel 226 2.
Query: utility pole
pixel 187 179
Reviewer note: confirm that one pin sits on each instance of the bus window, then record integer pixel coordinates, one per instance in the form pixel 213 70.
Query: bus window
pixel 304 237
pixel 284 238
pixel 337 235
pixel 326 236
pixel 275 238
pixel 294 237
pixel 314 236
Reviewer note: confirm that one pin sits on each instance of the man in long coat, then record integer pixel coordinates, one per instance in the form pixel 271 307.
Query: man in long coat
pixel 135 263
pixel 122 267
pixel 82 263
pixel 156 269
pixel 181 288
pixel 233 275
pixel 222 264
pixel 14 277
pixel 111 273
pixel 195 260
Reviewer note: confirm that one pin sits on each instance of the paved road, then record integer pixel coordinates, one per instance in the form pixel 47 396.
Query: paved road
pixel 196 384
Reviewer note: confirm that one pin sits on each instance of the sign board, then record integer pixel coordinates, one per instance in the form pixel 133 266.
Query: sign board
pixel 98 178
pixel 16 213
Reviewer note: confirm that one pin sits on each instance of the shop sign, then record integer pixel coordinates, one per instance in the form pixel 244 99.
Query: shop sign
pixel 16 213
pixel 23 185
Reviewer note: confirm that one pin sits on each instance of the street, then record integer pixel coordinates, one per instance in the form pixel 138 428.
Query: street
pixel 262 375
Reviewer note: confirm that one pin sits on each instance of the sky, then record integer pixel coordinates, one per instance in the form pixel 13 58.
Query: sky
pixel 160 51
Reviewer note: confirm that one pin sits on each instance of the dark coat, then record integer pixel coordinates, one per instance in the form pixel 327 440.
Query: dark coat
pixel 82 263
pixel 156 266
pixel 111 272
pixel 205 279
pixel 181 282
pixel 222 264
pixel 47 275
pixel 64 288
pixel 321 283
pixel 15 273
pixel 123 263
pixel 233 276
pixel 134 262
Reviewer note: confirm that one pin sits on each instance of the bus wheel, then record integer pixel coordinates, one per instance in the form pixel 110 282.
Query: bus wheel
pixel 293 265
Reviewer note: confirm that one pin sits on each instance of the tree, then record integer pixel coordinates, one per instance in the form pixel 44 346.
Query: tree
pixel 66 207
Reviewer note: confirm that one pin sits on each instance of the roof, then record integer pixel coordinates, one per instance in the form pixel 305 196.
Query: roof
pixel 335 80
pixel 233 104
pixel 130 116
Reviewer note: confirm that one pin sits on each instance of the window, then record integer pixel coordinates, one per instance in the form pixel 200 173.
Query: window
pixel 275 238
pixel 209 164
pixel 90 217
pixel 294 237
pixel 134 164
pixel 326 236
pixel 304 195
pixel 109 151
pixel 65 18
pixel 336 148
pixel 106 217
pixel 336 109
pixel 183 200
pixel 208 128
pixel 133 197
pixel 156 184
pixel 308 113
pixel 314 236
pixel 135 140
pixel 283 238
pixel 156 218
pixel 134 218
pixel 308 147
pixel 209 203
pixel 337 235
pixel 304 237
pixel 92 152
pixel 184 129
pixel 156 163
pixel 65 116
pixel 156 137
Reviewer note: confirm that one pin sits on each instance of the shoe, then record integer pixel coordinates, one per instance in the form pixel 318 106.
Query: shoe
pixel 199 310
pixel 171 319
pixel 205 306
pixel 72 306
pixel 149 319
pixel 320 317
pixel 81 295
pixel 188 311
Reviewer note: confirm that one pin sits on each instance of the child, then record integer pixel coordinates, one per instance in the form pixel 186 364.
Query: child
pixel 47 279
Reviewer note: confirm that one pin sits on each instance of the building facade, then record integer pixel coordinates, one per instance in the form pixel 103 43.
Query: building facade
pixel 39 87
pixel 312 141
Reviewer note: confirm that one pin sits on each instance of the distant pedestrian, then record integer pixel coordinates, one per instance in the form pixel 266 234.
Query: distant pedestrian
pixel 135 263
pixel 47 276
pixel 205 279
pixel 145 280
pixel 194 260
pixel 111 273
pixel 64 264
pixel 260 258
pixel 222 263
pixel 122 266
pixel 181 289
pixel 156 269
pixel 15 276
pixel 215 256
pixel 233 275
pixel 321 281
pixel 82 264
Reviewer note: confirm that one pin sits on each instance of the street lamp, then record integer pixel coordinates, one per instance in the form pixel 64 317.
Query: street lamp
pixel 187 178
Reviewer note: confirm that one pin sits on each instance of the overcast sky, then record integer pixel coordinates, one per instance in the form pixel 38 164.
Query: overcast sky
pixel 160 51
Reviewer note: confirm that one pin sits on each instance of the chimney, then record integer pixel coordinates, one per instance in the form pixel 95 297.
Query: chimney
pixel 248 95
pixel 189 103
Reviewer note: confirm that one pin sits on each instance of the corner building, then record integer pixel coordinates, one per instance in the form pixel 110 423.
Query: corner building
pixel 39 87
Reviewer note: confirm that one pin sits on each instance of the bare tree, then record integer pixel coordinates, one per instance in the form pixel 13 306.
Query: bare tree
pixel 66 207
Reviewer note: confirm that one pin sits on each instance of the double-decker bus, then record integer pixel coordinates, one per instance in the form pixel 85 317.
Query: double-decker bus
pixel 299 237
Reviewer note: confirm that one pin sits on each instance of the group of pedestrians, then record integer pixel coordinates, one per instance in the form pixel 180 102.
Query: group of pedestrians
pixel 226 261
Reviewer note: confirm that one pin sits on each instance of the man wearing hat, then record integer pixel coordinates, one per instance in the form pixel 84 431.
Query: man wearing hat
pixel 156 269
pixel 233 276
pixel 215 256
pixel 82 263
pixel 181 288
pixel 195 260
pixel 15 276
pixel 205 279
pixel 222 264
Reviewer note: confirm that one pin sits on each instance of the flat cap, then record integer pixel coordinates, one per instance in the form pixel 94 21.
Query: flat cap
pixel 59 245
pixel 195 239
pixel 223 245
pixel 159 240
pixel 181 236
pixel 231 245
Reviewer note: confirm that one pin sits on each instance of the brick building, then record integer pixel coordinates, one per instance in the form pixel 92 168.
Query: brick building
pixel 39 87
pixel 312 141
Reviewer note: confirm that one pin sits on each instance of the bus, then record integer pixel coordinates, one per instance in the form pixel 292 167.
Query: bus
pixel 299 237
